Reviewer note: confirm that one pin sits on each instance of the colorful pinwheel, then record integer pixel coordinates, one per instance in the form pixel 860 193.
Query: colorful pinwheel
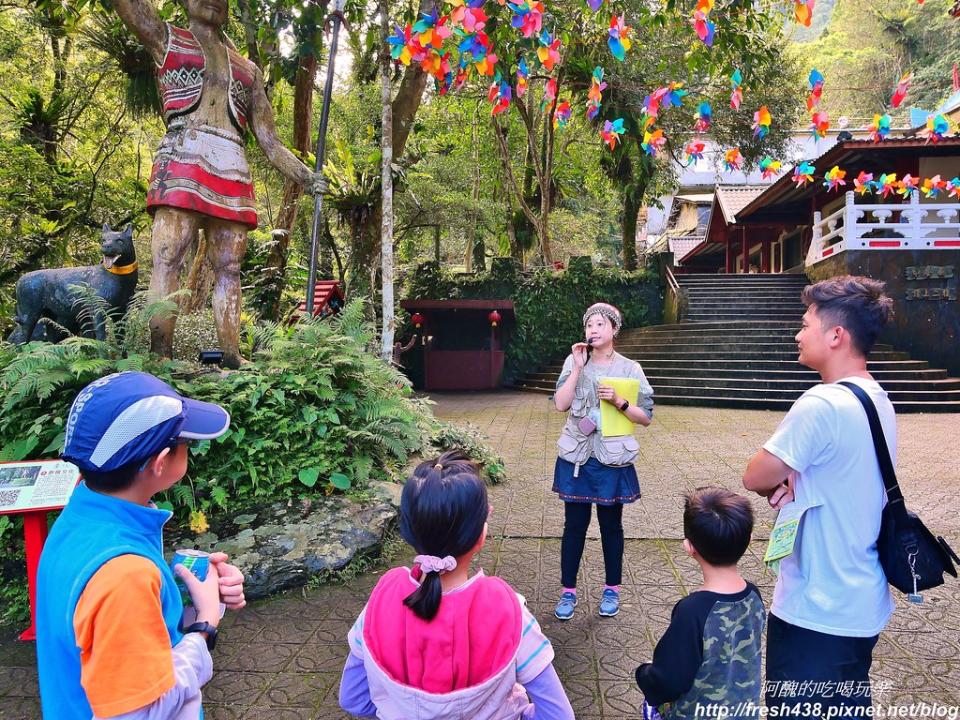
pixel 761 122
pixel 803 11
pixel 549 95
pixel 769 167
pixel 901 91
pixel 933 186
pixel 736 93
pixel 562 114
pixel 500 95
pixel 863 183
pixel 834 178
pixel 815 85
pixel 803 174
pixel 523 73
pixel 470 16
pixel 819 124
pixel 887 184
pixel 611 132
pixel 399 43
pixel 908 185
pixel 653 142
pixel 619 40
pixel 702 25
pixel 595 94
pixel 595 4
pixel 693 151
pixel 880 127
pixel 937 127
pixel 549 51
pixel 527 17
pixel 667 96
pixel 704 117
pixel 953 188
pixel 732 160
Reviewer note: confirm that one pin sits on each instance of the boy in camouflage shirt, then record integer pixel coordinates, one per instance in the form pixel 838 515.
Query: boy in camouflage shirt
pixel 710 653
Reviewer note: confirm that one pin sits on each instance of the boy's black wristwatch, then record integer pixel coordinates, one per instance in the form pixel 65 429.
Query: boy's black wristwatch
pixel 624 406
pixel 207 628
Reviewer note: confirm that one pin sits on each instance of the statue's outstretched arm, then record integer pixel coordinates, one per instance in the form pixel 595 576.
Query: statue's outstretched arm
pixel 265 130
pixel 144 22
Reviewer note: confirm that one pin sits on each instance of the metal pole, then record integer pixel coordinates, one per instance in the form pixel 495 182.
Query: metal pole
pixel 337 15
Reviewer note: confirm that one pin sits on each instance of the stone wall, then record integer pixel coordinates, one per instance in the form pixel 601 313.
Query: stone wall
pixel 929 329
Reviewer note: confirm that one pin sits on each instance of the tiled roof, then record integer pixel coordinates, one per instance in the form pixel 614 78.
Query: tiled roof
pixel 682 245
pixel 733 198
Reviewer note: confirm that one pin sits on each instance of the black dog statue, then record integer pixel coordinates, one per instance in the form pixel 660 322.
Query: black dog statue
pixel 51 294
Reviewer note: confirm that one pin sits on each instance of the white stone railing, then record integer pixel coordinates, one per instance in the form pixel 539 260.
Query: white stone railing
pixel 927 226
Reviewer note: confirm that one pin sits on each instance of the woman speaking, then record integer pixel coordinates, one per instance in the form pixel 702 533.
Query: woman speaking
pixel 595 463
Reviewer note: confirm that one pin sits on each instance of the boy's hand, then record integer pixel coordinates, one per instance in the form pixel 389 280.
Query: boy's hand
pixel 606 392
pixel 231 581
pixel 205 595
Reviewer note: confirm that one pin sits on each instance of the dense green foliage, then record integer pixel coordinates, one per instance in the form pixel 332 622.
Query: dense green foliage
pixel 866 47
pixel 549 305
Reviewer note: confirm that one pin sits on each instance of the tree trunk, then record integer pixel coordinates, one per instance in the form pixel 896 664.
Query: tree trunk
pixel 386 191
pixel 631 206
pixel 276 266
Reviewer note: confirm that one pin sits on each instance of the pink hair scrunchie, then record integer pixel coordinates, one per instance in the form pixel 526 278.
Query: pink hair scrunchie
pixel 431 563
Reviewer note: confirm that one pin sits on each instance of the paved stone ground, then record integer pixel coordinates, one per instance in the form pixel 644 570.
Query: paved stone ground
pixel 282 658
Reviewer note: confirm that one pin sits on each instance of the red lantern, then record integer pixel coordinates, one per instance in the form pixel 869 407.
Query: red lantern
pixel 417 320
pixel 494 318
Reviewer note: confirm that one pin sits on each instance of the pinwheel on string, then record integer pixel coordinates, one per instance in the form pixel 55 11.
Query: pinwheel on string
pixel 595 94
pixel 887 184
pixel 815 85
pixel 736 92
pixel 732 160
pixel 702 25
pixel 903 85
pixel 611 132
pixel 937 127
pixel 761 122
pixel 562 114
pixel 704 117
pixel 769 167
pixel 653 142
pixel 880 127
pixel 803 174
pixel 819 124
pixel 863 183
pixel 803 11
pixel 933 186
pixel 468 16
pixel 549 51
pixel 693 151
pixel 523 75
pixel 908 185
pixel 619 37
pixel 953 188
pixel 527 17
pixel 500 95
pixel 834 178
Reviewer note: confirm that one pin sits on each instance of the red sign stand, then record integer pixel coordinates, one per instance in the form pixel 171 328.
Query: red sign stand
pixel 35 516
pixel 34 535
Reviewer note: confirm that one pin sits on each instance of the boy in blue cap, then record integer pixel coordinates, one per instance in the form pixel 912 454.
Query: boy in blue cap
pixel 112 640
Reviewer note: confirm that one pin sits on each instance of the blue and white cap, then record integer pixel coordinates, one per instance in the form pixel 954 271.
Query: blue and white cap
pixel 131 416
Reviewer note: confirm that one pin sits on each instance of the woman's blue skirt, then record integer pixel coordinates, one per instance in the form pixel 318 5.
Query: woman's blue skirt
pixel 596 482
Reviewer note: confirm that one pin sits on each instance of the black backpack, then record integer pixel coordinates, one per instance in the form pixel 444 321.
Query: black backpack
pixel 912 558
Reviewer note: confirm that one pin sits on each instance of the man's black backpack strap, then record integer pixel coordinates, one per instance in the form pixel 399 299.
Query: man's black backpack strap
pixel 911 557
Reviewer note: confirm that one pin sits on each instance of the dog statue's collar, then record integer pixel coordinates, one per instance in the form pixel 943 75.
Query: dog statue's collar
pixel 122 269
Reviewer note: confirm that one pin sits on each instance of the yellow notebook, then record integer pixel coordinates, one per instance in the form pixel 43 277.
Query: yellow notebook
pixel 612 421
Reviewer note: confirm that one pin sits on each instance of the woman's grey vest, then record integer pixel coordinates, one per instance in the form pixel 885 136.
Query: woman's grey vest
pixel 575 447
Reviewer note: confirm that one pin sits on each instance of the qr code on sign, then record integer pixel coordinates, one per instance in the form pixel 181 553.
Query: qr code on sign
pixel 8 497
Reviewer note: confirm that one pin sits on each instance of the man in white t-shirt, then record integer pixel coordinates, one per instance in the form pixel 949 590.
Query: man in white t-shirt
pixel 831 599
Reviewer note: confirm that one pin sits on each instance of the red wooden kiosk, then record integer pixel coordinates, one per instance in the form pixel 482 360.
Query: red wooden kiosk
pixel 462 341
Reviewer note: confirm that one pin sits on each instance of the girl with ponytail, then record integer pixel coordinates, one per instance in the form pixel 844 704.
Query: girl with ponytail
pixel 435 642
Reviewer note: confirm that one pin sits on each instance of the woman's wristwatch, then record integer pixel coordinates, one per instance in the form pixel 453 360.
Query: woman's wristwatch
pixel 624 405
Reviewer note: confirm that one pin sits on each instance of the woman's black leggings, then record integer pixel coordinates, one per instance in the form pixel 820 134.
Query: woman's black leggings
pixel 576 522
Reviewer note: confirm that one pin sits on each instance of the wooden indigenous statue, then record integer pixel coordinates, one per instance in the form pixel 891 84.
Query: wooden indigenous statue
pixel 210 96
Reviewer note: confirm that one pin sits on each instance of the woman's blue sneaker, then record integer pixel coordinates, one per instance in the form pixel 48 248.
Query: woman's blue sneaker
pixel 568 601
pixel 609 603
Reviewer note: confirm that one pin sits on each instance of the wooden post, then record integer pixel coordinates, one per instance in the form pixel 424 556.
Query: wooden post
pixel 745 249
pixel 730 257
pixel 765 256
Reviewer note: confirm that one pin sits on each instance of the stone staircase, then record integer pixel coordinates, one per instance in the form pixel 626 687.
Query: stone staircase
pixel 736 348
